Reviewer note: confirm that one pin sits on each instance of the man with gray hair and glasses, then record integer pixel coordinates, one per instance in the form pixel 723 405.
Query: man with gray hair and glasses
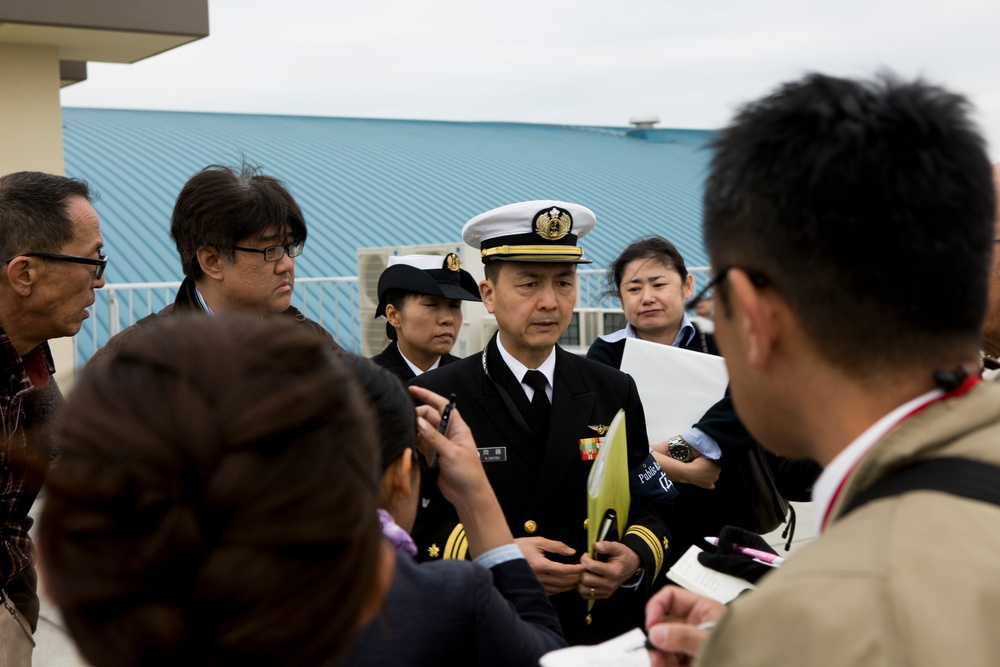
pixel 50 243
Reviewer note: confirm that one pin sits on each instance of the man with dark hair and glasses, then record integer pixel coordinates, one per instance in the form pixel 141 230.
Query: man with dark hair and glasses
pixel 238 233
pixel 849 226
pixel 50 244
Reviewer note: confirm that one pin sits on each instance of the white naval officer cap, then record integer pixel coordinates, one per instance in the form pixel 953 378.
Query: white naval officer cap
pixel 422 262
pixel 531 231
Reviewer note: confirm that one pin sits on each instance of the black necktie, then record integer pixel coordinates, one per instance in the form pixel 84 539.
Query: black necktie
pixel 539 402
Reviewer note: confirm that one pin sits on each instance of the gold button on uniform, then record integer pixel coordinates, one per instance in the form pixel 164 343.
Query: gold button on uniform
pixel 586 523
pixel 530 526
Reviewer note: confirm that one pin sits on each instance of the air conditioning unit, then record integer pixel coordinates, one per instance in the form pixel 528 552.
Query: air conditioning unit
pixel 591 326
pixel 371 263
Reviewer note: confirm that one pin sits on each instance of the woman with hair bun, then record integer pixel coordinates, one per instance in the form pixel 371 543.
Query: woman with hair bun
pixel 421 298
pixel 215 500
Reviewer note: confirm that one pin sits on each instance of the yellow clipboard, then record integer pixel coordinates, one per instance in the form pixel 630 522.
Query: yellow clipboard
pixel 608 488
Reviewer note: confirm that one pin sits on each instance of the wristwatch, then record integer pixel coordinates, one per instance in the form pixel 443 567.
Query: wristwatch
pixel 678 448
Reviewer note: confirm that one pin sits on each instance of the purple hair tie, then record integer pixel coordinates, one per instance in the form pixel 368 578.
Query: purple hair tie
pixel 399 538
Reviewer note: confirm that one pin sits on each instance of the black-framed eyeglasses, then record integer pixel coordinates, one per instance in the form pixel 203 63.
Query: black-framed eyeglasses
pixel 758 279
pixel 273 253
pixel 100 263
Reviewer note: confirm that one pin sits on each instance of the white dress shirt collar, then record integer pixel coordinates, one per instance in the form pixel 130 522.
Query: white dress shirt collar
pixel 548 369
pixel 834 475
pixel 416 370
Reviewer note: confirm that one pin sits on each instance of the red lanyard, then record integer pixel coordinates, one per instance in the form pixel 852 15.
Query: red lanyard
pixel 961 389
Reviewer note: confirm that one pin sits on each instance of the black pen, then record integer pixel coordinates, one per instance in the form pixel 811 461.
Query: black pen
pixel 446 415
pixel 648 645
pixel 443 427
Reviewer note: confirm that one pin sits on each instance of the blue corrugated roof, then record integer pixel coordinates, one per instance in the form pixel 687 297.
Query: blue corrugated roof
pixel 371 182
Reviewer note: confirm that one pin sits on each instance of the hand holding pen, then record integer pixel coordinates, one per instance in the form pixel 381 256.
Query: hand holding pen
pixel 677 623
pixel 455 453
pixel 460 476
pixel 443 427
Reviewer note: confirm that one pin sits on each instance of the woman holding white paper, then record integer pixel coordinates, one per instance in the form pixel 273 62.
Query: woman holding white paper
pixel 652 282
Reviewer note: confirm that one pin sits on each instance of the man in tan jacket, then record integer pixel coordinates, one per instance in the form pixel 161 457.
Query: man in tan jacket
pixel 991 326
pixel 850 225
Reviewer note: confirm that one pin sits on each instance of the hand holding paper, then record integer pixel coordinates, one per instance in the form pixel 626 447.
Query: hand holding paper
pixel 676 386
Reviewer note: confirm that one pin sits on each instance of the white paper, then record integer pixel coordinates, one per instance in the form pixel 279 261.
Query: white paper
pixel 676 386
pixel 627 650
pixel 697 578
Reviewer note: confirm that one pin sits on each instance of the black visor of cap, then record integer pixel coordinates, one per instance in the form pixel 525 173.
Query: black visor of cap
pixel 458 285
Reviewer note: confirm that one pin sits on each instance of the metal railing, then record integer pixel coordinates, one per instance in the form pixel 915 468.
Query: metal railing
pixel 332 301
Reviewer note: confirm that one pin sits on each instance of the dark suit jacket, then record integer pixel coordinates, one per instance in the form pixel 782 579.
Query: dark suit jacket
pixel 392 360
pixel 456 613
pixel 544 484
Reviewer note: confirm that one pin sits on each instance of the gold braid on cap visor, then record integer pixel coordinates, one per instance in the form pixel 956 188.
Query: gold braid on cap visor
pixel 533 250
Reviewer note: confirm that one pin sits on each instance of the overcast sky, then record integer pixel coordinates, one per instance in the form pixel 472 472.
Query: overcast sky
pixel 550 61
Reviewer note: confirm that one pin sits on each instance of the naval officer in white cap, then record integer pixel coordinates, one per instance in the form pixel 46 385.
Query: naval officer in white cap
pixel 421 298
pixel 538 414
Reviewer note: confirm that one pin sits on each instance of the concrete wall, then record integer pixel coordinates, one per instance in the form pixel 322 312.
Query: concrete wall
pixel 32 136
pixel 29 109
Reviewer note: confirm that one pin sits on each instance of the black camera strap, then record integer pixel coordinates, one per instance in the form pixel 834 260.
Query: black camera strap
pixel 958 476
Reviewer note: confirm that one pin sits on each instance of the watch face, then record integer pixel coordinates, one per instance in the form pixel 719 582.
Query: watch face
pixel 679 450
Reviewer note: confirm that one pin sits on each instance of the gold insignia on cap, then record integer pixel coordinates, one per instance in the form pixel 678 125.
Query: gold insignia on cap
pixel 600 428
pixel 451 262
pixel 433 551
pixel 553 223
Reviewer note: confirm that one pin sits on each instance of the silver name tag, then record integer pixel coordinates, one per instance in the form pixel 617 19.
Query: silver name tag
pixel 492 454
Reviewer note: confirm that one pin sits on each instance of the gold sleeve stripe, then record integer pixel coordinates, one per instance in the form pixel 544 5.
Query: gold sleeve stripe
pixel 649 538
pixel 457 545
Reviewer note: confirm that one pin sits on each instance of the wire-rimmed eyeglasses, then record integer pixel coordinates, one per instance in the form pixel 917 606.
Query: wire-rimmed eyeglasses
pixel 274 253
pixel 758 279
pixel 100 263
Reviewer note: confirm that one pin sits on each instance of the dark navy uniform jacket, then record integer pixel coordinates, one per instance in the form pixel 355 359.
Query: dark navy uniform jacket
pixel 392 360
pixel 542 485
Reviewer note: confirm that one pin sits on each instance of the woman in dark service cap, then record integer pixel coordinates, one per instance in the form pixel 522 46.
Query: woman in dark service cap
pixel 421 298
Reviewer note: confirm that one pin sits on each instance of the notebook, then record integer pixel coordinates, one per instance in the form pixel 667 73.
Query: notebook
pixel 697 578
